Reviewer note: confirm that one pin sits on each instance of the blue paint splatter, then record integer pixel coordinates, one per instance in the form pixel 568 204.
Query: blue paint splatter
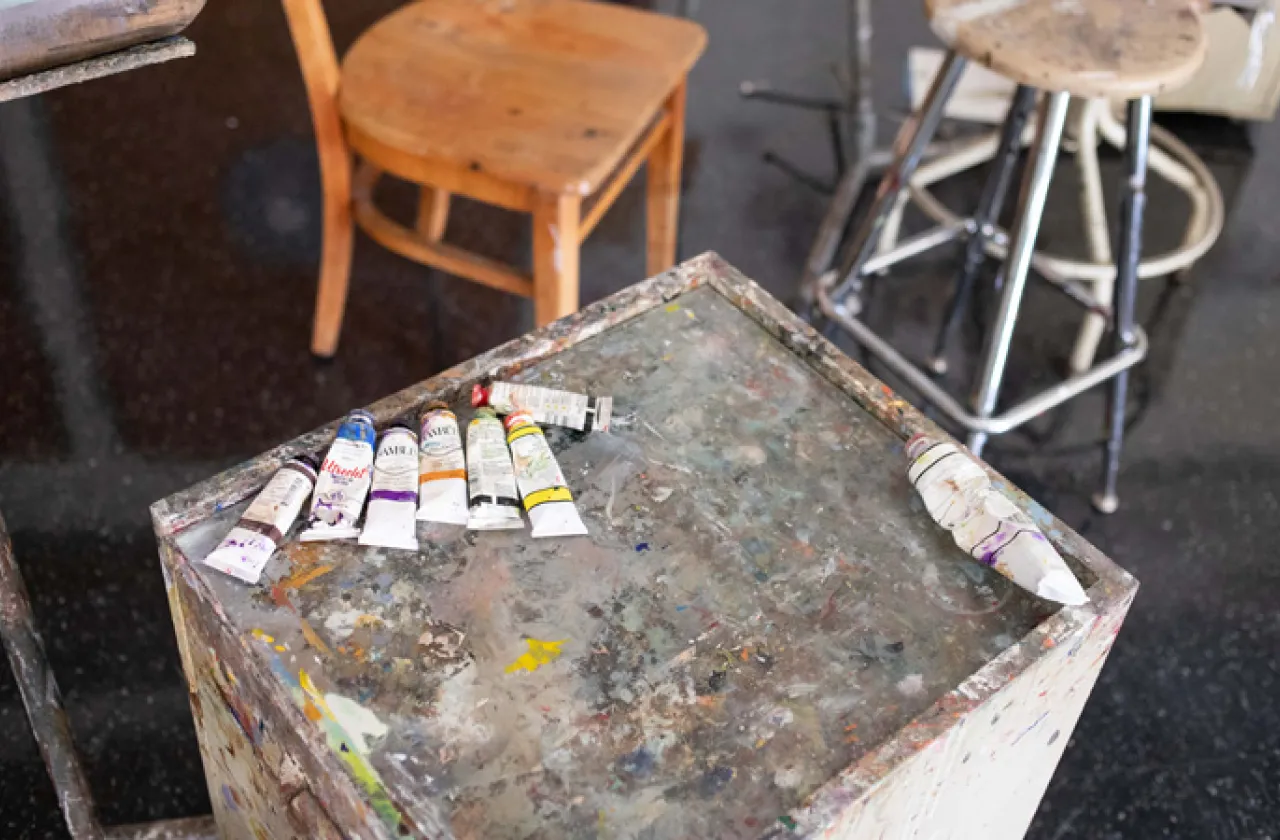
pixel 642 546
pixel 638 763
pixel 229 797
pixel 682 608
pixel 762 576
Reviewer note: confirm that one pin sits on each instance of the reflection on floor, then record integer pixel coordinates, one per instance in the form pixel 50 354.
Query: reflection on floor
pixel 158 239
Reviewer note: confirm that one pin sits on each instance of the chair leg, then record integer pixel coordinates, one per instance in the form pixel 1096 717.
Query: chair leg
pixel 909 148
pixel 1031 198
pixel 663 178
pixel 1128 255
pixel 557 239
pixel 335 256
pixel 1094 211
pixel 988 212
pixel 433 212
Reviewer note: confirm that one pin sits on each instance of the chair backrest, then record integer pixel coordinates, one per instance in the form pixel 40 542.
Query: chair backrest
pixel 319 62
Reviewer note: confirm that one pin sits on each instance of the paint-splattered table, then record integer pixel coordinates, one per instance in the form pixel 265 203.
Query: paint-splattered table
pixel 764 635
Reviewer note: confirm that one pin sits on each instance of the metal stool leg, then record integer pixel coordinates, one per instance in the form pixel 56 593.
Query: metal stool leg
pixel 1031 198
pixel 910 147
pixel 1128 254
pixel 988 212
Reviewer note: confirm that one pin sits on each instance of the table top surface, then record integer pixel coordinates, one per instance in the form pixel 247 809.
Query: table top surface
pixel 762 600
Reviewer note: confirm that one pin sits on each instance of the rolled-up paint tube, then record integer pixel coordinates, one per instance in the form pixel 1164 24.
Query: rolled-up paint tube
pixel 442 468
pixel 547 406
pixel 985 523
pixel 541 482
pixel 491 480
pixel 393 498
pixel 246 549
pixel 343 481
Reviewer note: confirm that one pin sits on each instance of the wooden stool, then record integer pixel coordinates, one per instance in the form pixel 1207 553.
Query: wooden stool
pixel 532 105
pixel 1118 49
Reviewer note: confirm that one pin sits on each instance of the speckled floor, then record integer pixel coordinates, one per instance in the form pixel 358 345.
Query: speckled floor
pixel 158 238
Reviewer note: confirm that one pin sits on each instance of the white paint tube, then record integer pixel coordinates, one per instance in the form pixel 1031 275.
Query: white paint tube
pixel 491 480
pixel 541 482
pixel 442 469
pixel 390 521
pixel 246 549
pixel 985 523
pixel 547 406
pixel 343 482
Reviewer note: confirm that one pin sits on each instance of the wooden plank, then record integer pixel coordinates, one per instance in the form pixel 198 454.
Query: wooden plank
pixel 143 55
pixel 663 203
pixel 50 33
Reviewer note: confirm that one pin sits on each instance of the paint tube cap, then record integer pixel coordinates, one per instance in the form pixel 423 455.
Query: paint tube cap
pixel 359 415
pixel 518 418
pixel 310 462
pixel 918 443
pixel 399 426
pixel 435 405
pixel 479 395
pixel 486 412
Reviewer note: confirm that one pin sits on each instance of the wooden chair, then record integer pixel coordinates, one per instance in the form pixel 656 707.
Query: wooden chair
pixel 532 105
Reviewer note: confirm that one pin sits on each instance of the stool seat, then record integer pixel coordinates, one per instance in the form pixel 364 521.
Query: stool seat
pixel 1117 49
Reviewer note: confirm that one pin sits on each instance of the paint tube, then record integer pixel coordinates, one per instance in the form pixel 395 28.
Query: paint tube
pixel 985 523
pixel 394 493
pixel 246 549
pixel 343 481
pixel 542 485
pixel 491 480
pixel 547 406
pixel 442 469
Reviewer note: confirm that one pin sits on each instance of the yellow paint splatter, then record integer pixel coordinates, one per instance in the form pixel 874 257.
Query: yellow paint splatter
pixel 261 636
pixel 673 307
pixel 539 653
pixel 304 577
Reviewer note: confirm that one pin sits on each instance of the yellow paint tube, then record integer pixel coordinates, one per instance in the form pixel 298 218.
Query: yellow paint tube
pixel 542 484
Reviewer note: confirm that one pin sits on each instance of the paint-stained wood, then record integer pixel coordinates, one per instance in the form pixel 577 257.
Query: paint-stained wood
pixel 764 635
pixel 1116 49
pixel 557 219
pixel 40 34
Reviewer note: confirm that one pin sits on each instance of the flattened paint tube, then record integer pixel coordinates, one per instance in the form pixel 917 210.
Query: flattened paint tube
pixel 343 481
pixel 985 523
pixel 246 549
pixel 442 468
pixel 547 406
pixel 541 482
pixel 394 496
pixel 491 480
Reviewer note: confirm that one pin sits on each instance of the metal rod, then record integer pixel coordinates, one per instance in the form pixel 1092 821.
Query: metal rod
pixel 915 135
pixel 988 213
pixel 1019 414
pixel 42 699
pixel 915 245
pixel 1128 254
pixel 1035 188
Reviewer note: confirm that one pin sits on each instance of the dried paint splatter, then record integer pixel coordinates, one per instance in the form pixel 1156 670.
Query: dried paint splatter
pixel 540 653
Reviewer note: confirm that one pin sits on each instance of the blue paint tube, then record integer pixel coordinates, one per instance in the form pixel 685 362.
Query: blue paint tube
pixel 393 501
pixel 343 482
pixel 246 549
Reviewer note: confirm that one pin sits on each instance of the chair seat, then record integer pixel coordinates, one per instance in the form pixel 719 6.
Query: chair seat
pixel 545 93
pixel 1120 49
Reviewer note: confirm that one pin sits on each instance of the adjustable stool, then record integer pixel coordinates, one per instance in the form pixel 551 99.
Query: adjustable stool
pixel 1116 49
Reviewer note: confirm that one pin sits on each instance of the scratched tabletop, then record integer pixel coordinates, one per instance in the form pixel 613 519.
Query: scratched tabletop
pixel 762 599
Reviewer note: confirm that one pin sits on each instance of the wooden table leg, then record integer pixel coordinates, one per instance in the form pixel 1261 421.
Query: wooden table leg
pixel 665 163
pixel 556 242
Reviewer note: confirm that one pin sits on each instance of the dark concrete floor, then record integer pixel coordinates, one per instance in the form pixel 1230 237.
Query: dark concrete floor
pixel 158 240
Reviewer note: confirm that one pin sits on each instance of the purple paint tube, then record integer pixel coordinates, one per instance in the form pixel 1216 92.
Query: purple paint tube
pixel 246 549
pixel 393 501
